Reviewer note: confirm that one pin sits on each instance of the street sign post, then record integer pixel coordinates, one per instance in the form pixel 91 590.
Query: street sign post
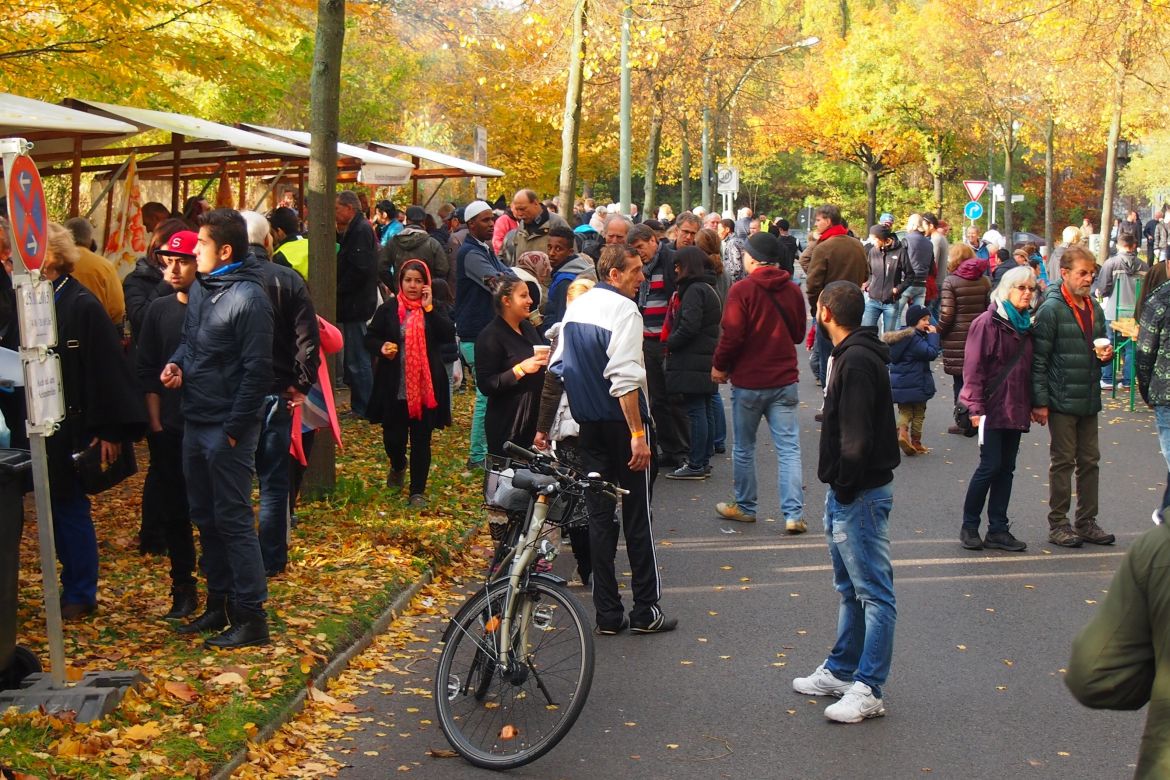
pixel 26 209
pixel 974 188
pixel 44 394
pixel 973 210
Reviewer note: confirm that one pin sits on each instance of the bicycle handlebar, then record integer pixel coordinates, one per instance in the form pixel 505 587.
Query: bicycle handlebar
pixel 543 460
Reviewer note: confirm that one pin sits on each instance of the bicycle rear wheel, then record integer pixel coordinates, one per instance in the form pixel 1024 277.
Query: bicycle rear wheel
pixel 501 718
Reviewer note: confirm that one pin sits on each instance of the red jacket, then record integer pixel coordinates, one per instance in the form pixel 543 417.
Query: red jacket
pixel 763 321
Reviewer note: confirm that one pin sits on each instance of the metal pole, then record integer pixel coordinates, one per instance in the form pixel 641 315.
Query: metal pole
pixel 48 545
pixel 706 189
pixel 625 185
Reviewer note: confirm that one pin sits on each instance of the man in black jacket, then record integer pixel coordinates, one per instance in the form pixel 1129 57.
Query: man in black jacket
pixel 357 294
pixel 917 260
pixel 296 355
pixel 859 451
pixel 224 366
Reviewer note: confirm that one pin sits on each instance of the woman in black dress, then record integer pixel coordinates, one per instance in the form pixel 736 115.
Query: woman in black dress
pixel 508 370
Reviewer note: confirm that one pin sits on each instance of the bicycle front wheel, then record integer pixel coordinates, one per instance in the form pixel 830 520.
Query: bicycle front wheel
pixel 501 717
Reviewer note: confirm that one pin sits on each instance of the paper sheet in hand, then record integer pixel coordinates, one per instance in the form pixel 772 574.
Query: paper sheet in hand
pixel 10 370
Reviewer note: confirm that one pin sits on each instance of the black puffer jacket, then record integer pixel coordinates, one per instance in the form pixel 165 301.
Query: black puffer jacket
pixel 296 338
pixel 226 350
pixel 964 296
pixel 693 337
pixel 1066 375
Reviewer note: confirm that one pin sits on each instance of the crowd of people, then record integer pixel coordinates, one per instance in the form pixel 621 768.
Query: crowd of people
pixel 606 338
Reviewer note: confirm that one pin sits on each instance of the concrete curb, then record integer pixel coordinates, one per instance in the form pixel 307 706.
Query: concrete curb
pixel 336 665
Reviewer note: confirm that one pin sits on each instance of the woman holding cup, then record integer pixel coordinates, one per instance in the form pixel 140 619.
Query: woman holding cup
pixel 510 361
pixel 411 396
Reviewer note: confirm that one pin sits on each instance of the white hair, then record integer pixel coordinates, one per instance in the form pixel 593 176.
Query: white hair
pixel 914 223
pixel 1018 275
pixel 257 226
pixel 745 212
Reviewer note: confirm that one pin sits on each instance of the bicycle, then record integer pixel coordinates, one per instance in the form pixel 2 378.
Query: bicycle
pixel 517 659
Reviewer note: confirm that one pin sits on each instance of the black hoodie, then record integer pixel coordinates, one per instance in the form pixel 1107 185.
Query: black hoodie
pixel 859 440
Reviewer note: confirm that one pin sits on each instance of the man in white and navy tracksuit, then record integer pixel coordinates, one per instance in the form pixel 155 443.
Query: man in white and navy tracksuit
pixel 599 359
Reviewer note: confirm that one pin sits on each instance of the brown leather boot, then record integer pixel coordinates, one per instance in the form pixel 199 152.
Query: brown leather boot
pixel 917 445
pixel 905 443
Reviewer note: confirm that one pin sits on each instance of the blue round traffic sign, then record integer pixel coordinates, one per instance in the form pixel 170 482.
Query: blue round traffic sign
pixel 973 210
pixel 27 213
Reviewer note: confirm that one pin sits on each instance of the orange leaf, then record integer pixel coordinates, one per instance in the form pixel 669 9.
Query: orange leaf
pixel 180 690
pixel 509 732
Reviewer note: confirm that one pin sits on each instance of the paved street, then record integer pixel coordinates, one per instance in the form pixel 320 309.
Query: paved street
pixel 976 688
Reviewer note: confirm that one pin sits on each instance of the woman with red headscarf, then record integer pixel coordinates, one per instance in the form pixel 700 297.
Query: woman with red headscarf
pixel 411 397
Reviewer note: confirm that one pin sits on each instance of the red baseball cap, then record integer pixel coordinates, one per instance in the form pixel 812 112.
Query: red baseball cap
pixel 181 243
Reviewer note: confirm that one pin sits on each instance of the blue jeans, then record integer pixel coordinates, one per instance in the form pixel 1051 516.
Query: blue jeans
pixel 358 369
pixel 912 295
pixel 1162 419
pixel 778 405
pixel 478 433
pixel 720 435
pixel 219 493
pixel 876 310
pixel 860 548
pixel 992 481
pixel 275 482
pixel 824 348
pixel 77 548
pixel 1125 357
pixel 700 410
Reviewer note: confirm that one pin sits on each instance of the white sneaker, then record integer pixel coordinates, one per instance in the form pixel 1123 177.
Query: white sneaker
pixel 822 682
pixel 856 705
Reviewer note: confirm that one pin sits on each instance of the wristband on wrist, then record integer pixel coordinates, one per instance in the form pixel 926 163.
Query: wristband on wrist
pixel 638 434
pixel 519 371
pixel 428 309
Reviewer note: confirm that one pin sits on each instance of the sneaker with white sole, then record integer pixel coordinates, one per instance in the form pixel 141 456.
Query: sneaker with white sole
pixel 795 525
pixel 822 682
pixel 856 705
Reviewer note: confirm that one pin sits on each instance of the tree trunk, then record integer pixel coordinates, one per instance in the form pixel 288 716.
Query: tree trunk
pixel 1049 154
pixel 1111 165
pixel 625 185
pixel 871 188
pixel 1009 153
pixel 324 102
pixel 685 173
pixel 571 132
pixel 653 144
pixel 706 156
pixel 936 177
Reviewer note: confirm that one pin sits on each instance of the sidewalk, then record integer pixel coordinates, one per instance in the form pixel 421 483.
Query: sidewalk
pixel 351 555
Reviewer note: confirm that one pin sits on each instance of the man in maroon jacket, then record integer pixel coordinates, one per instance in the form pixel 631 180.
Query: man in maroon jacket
pixel 763 321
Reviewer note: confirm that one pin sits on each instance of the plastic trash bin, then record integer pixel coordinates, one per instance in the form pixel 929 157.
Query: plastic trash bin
pixel 16 662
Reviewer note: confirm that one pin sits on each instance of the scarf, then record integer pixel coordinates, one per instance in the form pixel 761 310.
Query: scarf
pixel 420 392
pixel 1087 329
pixel 1019 319
pixel 834 230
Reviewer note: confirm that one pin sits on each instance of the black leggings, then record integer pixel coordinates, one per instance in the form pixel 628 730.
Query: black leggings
pixel 395 431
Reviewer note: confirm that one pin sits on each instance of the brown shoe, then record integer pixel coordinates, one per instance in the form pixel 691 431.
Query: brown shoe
pixel 917 444
pixel 72 612
pixel 1094 534
pixel 905 443
pixel 1063 536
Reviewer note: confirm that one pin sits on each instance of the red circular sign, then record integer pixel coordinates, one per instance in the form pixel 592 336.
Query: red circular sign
pixel 26 212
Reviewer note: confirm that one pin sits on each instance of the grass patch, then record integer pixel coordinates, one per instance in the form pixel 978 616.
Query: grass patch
pixel 353 552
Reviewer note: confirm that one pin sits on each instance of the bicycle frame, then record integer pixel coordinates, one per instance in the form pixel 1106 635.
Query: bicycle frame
pixel 522 556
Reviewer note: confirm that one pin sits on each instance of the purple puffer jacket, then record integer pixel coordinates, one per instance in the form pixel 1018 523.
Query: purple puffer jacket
pixel 991 343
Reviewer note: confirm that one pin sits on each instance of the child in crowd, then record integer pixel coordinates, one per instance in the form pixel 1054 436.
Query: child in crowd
pixel 911 351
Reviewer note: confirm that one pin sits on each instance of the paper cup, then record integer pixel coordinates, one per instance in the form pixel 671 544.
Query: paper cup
pixel 541 351
pixel 1100 343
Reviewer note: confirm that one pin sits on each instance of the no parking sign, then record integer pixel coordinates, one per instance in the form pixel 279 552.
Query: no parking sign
pixel 26 210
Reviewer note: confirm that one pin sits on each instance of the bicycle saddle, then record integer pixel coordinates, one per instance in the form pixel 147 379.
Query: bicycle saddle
pixel 532 482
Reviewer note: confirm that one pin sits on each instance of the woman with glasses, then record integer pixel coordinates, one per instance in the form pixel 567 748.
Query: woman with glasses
pixel 997 391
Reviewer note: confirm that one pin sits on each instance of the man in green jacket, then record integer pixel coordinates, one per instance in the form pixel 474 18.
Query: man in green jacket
pixel 1066 396
pixel 1115 659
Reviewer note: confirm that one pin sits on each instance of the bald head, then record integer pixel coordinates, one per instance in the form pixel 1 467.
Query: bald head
pixel 526 205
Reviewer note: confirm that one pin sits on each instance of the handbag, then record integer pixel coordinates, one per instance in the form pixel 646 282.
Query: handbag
pixel 96 478
pixel 963 414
